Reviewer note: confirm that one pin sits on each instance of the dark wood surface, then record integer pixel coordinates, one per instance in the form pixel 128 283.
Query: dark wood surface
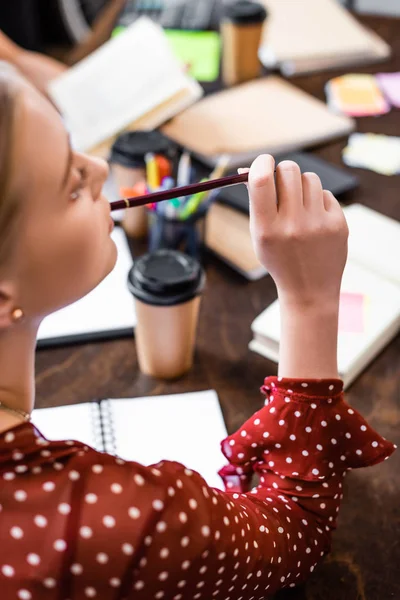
pixel 365 561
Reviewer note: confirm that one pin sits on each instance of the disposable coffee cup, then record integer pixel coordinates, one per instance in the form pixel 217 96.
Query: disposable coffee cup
pixel 127 162
pixel 241 28
pixel 167 287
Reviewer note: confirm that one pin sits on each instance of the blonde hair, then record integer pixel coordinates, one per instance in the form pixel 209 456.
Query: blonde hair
pixel 9 91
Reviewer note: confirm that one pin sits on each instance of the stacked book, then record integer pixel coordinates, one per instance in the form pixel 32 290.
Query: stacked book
pixel 304 36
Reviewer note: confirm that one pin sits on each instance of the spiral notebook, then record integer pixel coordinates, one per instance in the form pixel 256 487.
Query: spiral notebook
pixel 187 428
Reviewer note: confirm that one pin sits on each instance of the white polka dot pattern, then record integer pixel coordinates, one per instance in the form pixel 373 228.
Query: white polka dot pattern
pixel 186 540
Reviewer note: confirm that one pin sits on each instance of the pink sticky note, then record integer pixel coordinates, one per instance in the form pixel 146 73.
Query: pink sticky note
pixel 351 313
pixel 390 86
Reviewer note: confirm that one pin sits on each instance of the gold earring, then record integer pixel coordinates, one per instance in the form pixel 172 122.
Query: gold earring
pixel 17 315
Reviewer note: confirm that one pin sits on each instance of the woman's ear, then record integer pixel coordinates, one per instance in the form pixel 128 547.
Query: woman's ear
pixel 8 306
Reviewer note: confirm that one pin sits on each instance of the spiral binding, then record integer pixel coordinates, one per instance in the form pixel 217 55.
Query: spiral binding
pixel 95 411
pixel 107 427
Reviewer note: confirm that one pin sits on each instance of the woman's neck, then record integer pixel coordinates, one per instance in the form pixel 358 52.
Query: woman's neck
pixel 17 372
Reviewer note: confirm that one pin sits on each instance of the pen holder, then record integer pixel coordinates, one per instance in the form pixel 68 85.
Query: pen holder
pixel 128 166
pixel 187 236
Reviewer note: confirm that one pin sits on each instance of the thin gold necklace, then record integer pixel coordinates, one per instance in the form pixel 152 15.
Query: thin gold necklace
pixel 16 411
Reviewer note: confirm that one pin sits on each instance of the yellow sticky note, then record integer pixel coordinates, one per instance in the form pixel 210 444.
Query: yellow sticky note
pixel 356 95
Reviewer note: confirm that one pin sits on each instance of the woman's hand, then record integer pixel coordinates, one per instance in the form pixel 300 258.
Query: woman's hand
pixel 299 231
pixel 300 235
pixel 39 69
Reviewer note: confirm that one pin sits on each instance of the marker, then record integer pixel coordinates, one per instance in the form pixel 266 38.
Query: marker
pixel 194 202
pixel 184 169
pixel 164 166
pixel 152 172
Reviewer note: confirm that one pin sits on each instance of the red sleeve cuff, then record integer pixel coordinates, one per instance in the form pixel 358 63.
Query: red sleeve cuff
pixel 305 430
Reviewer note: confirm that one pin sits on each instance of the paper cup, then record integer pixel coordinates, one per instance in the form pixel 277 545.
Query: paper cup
pixel 241 29
pixel 167 287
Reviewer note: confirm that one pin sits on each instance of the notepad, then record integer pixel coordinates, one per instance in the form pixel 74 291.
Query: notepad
pixel 352 312
pixel 356 95
pixel 303 36
pixel 376 152
pixel 266 115
pixel 390 86
pixel 106 312
pixel 370 296
pixel 187 428
pixel 133 81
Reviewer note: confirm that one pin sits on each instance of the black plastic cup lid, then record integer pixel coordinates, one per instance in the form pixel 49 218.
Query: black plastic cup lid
pixel 245 12
pixel 166 278
pixel 130 148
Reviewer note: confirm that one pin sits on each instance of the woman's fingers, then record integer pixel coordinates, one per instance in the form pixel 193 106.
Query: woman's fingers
pixel 330 202
pixel 262 190
pixel 313 198
pixel 289 187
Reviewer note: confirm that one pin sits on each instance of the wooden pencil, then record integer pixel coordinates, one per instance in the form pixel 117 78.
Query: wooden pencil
pixel 179 192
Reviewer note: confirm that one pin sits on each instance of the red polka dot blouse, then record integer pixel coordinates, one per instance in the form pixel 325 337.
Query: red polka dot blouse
pixel 77 524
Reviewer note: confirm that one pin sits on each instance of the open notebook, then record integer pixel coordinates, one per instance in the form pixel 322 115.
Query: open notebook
pixel 106 312
pixel 133 81
pixel 302 36
pixel 187 428
pixel 370 299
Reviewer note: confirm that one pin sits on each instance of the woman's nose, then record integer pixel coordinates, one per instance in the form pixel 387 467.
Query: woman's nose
pixel 100 172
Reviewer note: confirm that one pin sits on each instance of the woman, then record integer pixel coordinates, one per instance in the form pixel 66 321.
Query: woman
pixel 75 523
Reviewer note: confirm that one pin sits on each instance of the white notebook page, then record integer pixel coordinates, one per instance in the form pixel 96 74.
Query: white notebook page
pixel 120 82
pixel 76 422
pixel 374 241
pixel 186 428
pixel 109 307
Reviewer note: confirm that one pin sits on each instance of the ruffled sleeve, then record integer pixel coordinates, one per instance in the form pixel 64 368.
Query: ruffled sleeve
pixel 305 431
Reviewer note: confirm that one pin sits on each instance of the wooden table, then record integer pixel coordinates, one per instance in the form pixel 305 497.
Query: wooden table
pixel 365 563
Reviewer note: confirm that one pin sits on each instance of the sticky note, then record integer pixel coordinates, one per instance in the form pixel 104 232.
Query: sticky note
pixel 379 153
pixel 390 86
pixel 356 95
pixel 200 50
pixel 352 311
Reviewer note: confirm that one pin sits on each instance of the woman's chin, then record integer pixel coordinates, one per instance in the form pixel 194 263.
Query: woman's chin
pixel 113 256
pixel 109 264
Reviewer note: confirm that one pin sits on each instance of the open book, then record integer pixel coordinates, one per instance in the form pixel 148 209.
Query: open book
pixel 187 428
pixel 370 296
pixel 133 81
pixel 106 312
pixel 303 36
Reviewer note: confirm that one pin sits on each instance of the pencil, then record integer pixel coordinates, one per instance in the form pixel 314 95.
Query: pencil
pixel 187 190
